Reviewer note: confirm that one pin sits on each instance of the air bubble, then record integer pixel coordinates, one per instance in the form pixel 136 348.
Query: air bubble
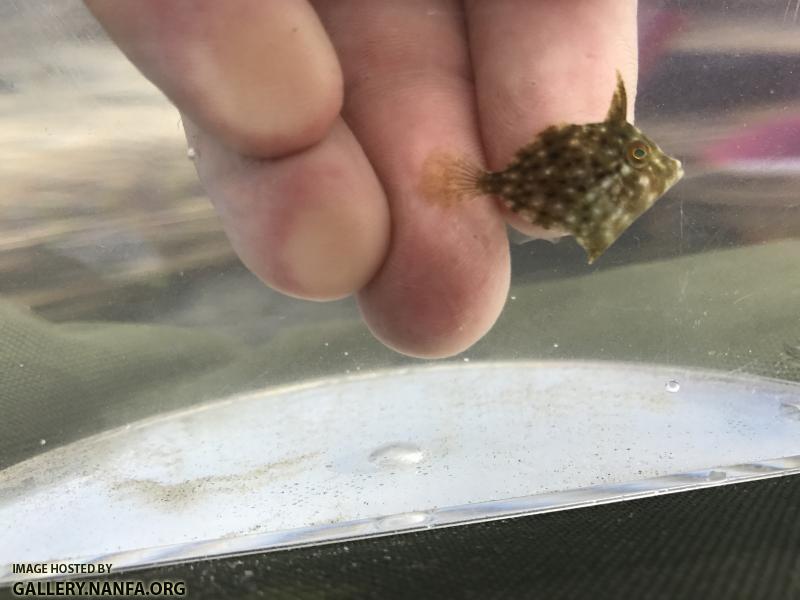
pixel 191 153
pixel 397 454
pixel 402 521
pixel 672 386
pixel 791 410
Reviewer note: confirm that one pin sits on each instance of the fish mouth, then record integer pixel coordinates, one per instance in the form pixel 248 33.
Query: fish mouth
pixel 678 169
pixel 677 173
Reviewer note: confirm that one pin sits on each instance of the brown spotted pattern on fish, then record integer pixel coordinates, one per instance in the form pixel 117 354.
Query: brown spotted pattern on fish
pixel 590 180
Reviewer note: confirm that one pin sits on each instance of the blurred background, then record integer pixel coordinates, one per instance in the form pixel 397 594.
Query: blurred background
pixel 112 260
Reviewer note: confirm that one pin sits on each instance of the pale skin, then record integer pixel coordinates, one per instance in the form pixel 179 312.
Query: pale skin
pixel 311 122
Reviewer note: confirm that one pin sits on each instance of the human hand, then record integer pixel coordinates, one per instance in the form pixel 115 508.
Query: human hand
pixel 311 123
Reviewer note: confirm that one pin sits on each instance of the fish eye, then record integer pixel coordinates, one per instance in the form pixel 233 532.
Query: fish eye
pixel 638 151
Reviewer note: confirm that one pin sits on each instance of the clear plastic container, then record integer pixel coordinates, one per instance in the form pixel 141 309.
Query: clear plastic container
pixel 154 388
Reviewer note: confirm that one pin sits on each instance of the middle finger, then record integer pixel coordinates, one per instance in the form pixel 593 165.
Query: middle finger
pixel 408 94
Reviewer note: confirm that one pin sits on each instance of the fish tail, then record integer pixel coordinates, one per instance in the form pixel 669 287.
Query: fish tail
pixel 448 179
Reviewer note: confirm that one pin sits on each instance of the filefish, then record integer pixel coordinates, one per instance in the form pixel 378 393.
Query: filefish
pixel 591 180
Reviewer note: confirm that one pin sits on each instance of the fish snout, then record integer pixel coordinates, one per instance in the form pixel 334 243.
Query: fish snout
pixel 677 171
pixel 678 168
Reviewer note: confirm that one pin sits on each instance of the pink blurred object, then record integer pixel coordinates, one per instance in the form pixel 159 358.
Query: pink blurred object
pixel 768 147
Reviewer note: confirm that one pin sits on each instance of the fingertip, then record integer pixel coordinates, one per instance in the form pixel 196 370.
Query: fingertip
pixel 443 336
pixel 419 341
pixel 328 254
pixel 261 75
pixel 438 295
pixel 314 225
pixel 294 108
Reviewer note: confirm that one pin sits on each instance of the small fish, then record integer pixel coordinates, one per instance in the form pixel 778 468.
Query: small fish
pixel 590 180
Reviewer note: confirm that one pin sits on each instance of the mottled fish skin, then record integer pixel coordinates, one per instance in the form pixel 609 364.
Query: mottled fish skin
pixel 590 180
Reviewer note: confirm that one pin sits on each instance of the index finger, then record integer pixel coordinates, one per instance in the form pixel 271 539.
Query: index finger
pixel 261 75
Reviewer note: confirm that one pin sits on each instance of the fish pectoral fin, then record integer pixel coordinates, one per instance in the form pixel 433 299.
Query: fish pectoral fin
pixel 618 111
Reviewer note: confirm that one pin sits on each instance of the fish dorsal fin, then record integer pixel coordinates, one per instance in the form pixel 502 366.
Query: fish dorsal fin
pixel 618 112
